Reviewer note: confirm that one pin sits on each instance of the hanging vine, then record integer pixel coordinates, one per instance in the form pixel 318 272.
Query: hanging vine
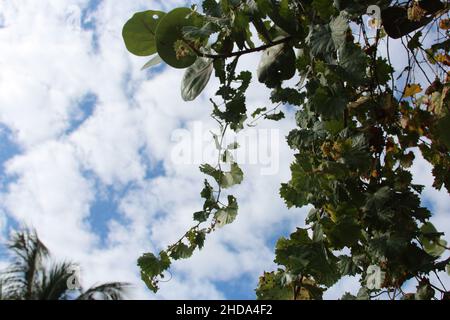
pixel 358 130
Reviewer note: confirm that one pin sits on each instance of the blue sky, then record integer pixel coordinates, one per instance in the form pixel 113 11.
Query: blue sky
pixel 86 155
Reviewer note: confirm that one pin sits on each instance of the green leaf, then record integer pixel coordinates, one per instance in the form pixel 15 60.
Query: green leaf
pixel 277 64
pixel 275 116
pixel 139 32
pixel 181 251
pixel 378 199
pixel 227 157
pixel 233 146
pixel 363 294
pixel 152 62
pixel 211 171
pixel 228 214
pixel 212 8
pixel 151 267
pixel 303 256
pixel 282 15
pixel 197 238
pixel 383 70
pixel 348 296
pixel 424 291
pixel 324 8
pixel 325 39
pixel 196 78
pixel 233 177
pixel 201 216
pixel 224 179
pixel 270 287
pixel 204 32
pixel 328 102
pixel 443 128
pixel 447 268
pixel 353 63
pixel 415 42
pixel 258 111
pixel 169 38
pixel 347 267
pixel 431 240
pixel 320 40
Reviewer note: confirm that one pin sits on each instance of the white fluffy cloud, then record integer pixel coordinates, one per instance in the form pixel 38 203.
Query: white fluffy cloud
pixel 49 62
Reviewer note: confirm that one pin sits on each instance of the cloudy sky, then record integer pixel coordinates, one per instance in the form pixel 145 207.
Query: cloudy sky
pixel 88 155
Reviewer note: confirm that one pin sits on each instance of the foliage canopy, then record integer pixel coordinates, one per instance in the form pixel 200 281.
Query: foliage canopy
pixel 358 130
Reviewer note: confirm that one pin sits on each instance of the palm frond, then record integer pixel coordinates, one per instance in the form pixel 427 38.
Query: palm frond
pixel 29 253
pixel 106 291
pixel 53 285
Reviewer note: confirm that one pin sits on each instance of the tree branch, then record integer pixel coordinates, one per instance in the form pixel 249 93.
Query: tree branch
pixel 236 53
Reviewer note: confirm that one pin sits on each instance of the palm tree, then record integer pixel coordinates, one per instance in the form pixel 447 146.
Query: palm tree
pixel 31 276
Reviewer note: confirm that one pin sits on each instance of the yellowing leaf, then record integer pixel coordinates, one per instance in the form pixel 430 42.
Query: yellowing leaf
pixel 442 58
pixel 444 24
pixel 412 89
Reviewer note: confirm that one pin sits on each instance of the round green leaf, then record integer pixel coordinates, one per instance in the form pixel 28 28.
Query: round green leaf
pixel 196 78
pixel 432 243
pixel 169 33
pixel 139 32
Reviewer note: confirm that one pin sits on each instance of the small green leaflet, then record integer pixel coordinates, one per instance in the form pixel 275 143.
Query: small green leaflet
pixel 139 32
pixel 233 146
pixel 258 111
pixel 196 78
